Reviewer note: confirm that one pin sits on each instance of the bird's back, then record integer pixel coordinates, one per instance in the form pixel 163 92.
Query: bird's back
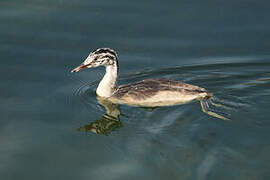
pixel 157 92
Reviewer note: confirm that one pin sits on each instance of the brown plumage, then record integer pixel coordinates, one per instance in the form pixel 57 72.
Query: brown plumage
pixel 149 87
pixel 157 92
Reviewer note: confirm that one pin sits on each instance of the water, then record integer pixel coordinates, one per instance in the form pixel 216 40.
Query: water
pixel 45 110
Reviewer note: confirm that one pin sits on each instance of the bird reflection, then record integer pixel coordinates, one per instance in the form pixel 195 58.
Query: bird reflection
pixel 108 122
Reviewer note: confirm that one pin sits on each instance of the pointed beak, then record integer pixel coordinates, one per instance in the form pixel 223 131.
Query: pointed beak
pixel 83 66
pixel 80 67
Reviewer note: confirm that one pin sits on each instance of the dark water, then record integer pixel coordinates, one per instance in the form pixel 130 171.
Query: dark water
pixel 220 45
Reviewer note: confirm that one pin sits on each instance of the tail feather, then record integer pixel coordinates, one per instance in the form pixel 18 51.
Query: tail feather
pixel 209 95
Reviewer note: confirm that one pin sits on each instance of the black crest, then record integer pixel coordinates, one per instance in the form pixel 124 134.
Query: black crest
pixel 105 51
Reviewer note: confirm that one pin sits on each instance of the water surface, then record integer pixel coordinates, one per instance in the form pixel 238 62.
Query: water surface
pixel 221 46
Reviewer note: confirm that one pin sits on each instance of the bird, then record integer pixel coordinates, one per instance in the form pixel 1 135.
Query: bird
pixel 145 93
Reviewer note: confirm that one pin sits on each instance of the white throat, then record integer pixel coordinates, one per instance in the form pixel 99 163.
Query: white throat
pixel 107 85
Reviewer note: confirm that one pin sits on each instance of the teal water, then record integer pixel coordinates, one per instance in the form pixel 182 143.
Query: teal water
pixel 47 113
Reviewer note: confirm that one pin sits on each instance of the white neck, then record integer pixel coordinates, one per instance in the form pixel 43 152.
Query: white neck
pixel 107 85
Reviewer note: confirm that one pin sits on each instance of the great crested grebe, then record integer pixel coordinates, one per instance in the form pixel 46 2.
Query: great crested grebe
pixel 145 93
